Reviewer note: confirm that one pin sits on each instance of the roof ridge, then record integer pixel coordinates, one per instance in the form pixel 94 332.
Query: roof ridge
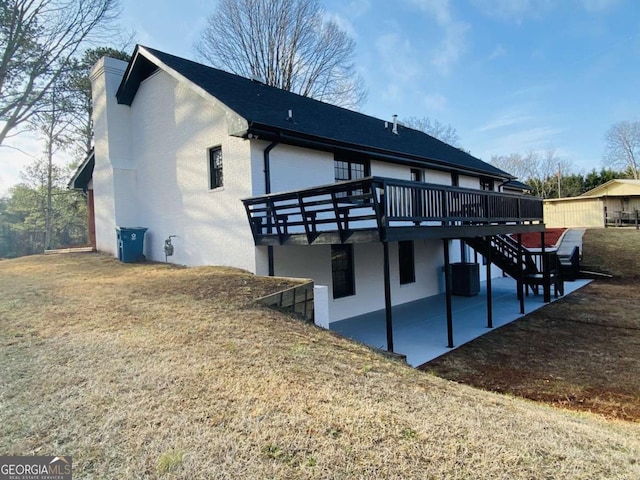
pixel 276 110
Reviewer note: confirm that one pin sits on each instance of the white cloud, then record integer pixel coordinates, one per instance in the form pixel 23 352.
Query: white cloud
pixel 532 139
pixel 342 23
pixel 392 93
pixel 504 120
pixel 498 51
pixel 598 5
pixel 358 7
pixel 398 58
pixel 452 47
pixel 438 8
pixel 514 10
pixel 454 43
pixel 435 102
pixel 528 93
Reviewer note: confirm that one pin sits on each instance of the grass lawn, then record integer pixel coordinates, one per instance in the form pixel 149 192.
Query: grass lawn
pixel 581 352
pixel 153 371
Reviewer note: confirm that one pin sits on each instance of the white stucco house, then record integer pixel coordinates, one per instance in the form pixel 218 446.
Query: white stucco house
pixel 250 176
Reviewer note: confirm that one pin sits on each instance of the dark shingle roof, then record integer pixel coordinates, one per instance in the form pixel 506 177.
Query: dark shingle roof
pixel 267 108
pixel 84 172
pixel 516 184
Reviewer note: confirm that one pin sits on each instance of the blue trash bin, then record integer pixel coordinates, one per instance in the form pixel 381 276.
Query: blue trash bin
pixel 130 244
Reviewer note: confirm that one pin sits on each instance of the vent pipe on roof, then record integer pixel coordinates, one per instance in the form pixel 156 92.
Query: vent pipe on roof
pixel 395 125
pixel 290 115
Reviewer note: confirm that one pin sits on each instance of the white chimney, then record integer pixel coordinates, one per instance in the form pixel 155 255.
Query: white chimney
pixel 114 174
pixel 395 124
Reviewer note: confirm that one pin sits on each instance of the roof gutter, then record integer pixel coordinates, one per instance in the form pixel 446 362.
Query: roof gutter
pixel 326 144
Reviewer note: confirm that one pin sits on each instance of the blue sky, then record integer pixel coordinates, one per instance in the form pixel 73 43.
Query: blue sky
pixel 509 75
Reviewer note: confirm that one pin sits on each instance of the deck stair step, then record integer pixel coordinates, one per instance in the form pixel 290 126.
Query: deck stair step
pixel 520 263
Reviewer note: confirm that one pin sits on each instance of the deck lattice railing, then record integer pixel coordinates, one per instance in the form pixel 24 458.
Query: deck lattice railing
pixel 382 203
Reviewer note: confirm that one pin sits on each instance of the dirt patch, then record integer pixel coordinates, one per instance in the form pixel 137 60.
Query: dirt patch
pixel 581 352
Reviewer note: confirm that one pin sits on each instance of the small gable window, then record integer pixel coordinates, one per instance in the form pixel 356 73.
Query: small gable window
pixel 215 167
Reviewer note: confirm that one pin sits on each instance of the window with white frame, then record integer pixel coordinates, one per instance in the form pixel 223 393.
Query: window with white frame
pixel 215 167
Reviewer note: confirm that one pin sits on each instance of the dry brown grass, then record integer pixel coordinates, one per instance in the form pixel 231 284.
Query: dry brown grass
pixel 581 352
pixel 152 371
pixel 613 250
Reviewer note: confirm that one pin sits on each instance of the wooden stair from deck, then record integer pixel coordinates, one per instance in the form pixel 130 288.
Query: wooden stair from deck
pixel 520 263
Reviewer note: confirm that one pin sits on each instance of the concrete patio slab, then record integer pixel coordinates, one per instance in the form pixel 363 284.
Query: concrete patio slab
pixel 420 327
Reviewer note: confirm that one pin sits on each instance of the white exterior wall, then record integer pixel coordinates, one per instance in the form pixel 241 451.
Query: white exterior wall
pixel 160 175
pixel 292 168
pixel 465 181
pixel 173 129
pixel 315 262
pixel 437 177
pixel 403 172
pixel 390 170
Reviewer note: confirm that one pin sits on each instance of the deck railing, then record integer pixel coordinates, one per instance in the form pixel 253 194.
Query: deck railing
pixel 381 203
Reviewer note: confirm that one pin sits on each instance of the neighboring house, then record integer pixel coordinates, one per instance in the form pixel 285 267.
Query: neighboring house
pixel 614 202
pixel 255 177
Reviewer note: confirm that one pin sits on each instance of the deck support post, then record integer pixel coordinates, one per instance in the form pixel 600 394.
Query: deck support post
pixel 447 283
pixel 387 296
pixel 489 293
pixel 546 274
pixel 521 285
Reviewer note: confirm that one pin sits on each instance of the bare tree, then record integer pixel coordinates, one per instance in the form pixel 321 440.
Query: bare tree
pixel 622 147
pixel 288 44
pixel 53 123
pixel 441 131
pixel 541 170
pixel 37 40
pixel 516 164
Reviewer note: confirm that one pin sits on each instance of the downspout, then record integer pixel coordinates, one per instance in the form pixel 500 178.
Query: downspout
pixel 267 190
pixel 499 189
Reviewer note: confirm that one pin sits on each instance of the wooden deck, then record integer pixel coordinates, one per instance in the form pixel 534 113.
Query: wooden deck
pixel 378 209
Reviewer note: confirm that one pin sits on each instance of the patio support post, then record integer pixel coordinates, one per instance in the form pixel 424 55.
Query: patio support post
pixel 546 274
pixel 520 275
pixel 489 293
pixel 387 297
pixel 447 286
